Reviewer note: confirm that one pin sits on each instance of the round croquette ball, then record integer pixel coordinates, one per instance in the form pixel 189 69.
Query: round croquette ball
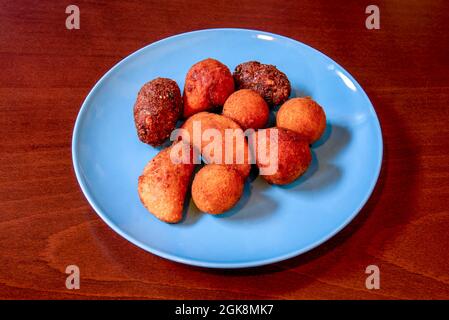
pixel 157 109
pixel 217 188
pixel 302 115
pixel 247 108
pixel 271 83
pixel 292 159
pixel 208 84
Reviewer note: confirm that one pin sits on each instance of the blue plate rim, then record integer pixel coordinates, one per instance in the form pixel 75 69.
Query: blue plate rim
pixel 202 263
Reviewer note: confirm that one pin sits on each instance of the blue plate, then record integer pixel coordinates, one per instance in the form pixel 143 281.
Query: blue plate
pixel 270 223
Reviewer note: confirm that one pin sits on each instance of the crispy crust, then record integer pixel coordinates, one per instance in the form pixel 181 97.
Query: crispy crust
pixel 294 156
pixel 163 185
pixel 219 122
pixel 272 84
pixel 208 84
pixel 216 188
pixel 247 108
pixel 157 109
pixel 302 115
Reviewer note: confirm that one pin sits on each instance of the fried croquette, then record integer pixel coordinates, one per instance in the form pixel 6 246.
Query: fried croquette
pixel 291 160
pixel 272 84
pixel 157 109
pixel 208 84
pixel 247 108
pixel 205 121
pixel 217 188
pixel 304 116
pixel 163 184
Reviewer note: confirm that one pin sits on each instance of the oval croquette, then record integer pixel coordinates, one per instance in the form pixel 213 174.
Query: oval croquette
pixel 157 109
pixel 206 121
pixel 271 83
pixel 208 84
pixel 291 160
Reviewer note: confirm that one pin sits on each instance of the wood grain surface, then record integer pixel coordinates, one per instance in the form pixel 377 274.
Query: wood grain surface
pixel 46 71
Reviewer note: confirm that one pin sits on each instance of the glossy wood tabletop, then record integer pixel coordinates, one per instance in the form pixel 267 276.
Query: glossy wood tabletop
pixel 46 224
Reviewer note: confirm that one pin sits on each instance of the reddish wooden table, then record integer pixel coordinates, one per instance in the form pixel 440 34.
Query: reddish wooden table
pixel 46 224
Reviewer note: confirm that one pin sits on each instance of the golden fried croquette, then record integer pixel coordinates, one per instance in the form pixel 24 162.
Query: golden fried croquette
pixel 157 109
pixel 291 160
pixel 208 84
pixel 216 188
pixel 304 116
pixel 163 184
pixel 214 121
pixel 271 83
pixel 247 108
